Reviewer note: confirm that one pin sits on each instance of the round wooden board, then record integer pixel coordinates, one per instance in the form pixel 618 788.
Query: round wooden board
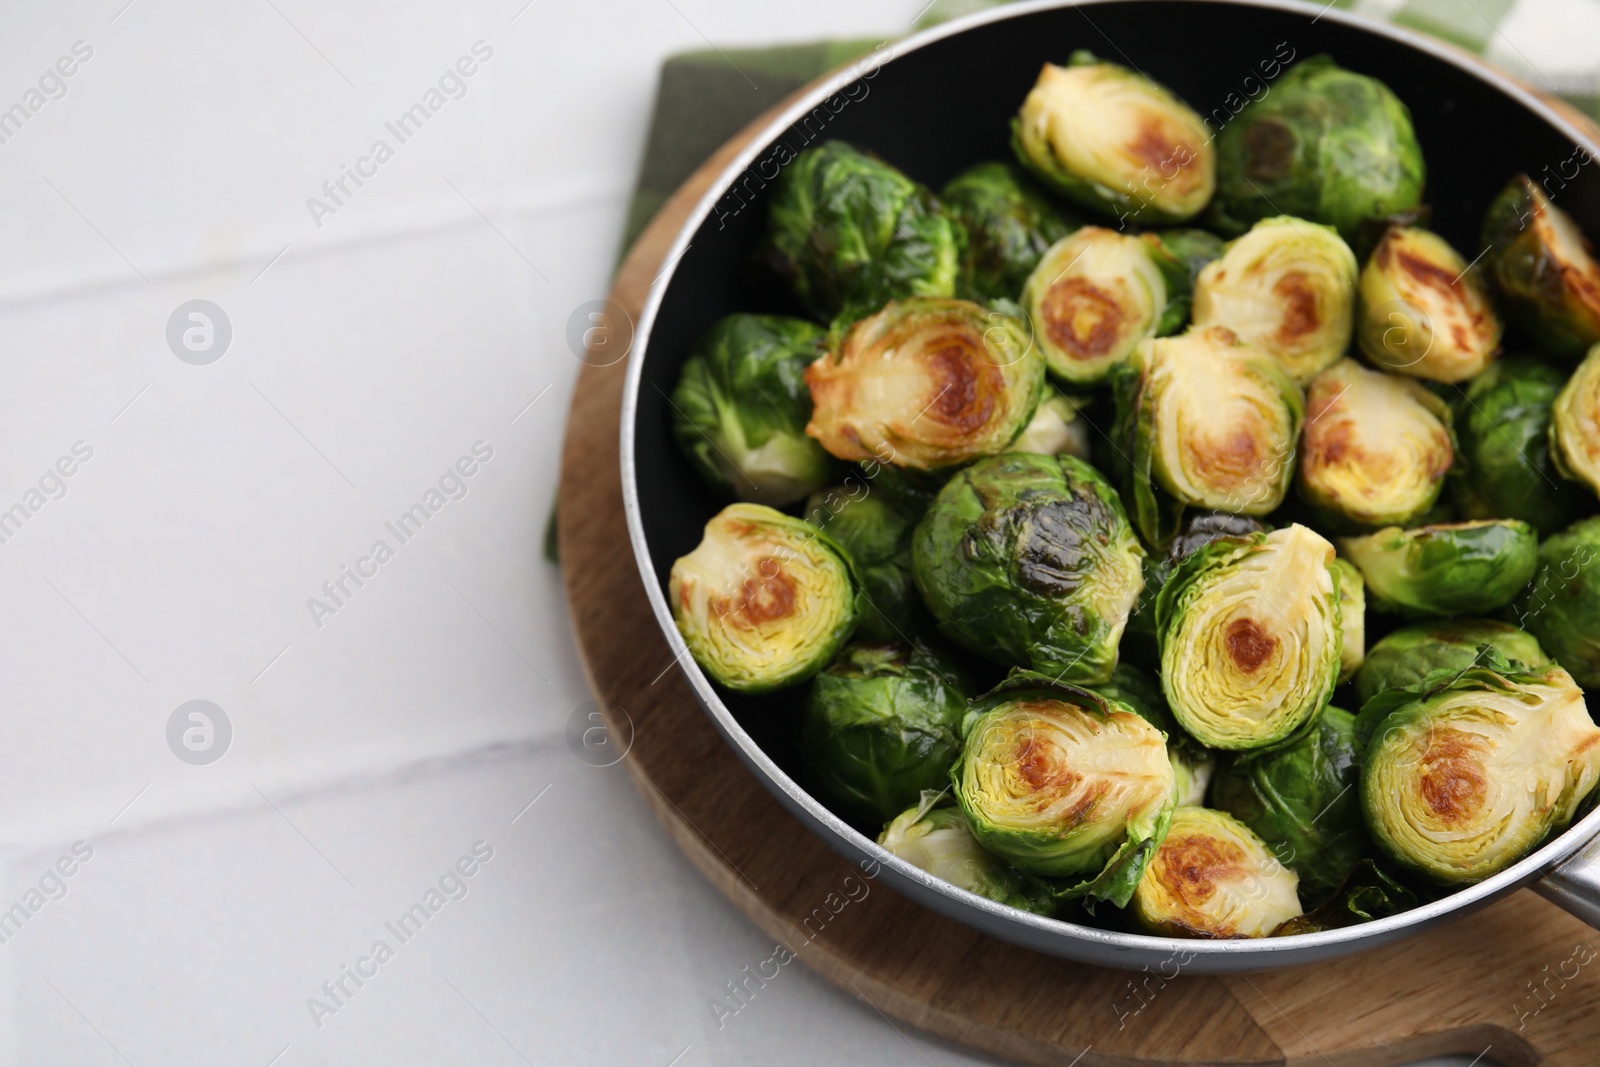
pixel 1509 982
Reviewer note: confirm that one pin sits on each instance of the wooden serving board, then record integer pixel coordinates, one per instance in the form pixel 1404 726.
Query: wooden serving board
pixel 1518 982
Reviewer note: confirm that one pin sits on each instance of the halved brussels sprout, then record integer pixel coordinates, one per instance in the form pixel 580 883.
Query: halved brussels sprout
pixel 1029 559
pixel 934 836
pixel 1288 287
pixel 1203 420
pixel 1562 606
pixel 1200 528
pixel 1114 140
pixel 1447 568
pixel 876 535
pixel 1463 778
pixel 740 409
pixel 764 600
pixel 925 383
pixel 1406 656
pixel 882 724
pixel 1502 426
pixel 1376 447
pixel 849 232
pixel 1192 763
pixel 1010 223
pixel 1352 619
pixel 1093 297
pixel 1193 249
pixel 1369 893
pixel 1423 312
pixel 1326 144
pixel 1544 269
pixel 1057 427
pixel 1575 424
pixel 1301 800
pixel 1250 638
pixel 1066 784
pixel 1213 878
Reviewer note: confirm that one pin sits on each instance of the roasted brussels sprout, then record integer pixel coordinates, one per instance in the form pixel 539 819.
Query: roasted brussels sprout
pixel 1009 223
pixel 1448 568
pixel 1502 427
pixel 1575 424
pixel 1193 249
pixel 1325 144
pixel 1029 559
pixel 1250 638
pixel 1212 877
pixel 1200 528
pixel 1066 784
pixel 934 835
pixel 1465 776
pixel 1369 893
pixel 1114 140
pixel 1543 268
pixel 740 409
pixel 1352 619
pixel 1094 296
pixel 1423 312
pixel 925 383
pixel 876 535
pixel 1406 656
pixel 849 232
pixel 1376 447
pixel 1057 427
pixel 1562 606
pixel 1301 800
pixel 764 600
pixel 1192 763
pixel 1287 287
pixel 1203 420
pixel 882 724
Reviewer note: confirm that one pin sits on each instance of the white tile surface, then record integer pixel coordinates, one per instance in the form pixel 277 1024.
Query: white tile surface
pixel 370 752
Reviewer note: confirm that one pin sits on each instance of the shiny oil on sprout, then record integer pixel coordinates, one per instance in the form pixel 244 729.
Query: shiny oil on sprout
pixel 1375 449
pixel 1212 877
pixel 1112 139
pixel 1424 313
pixel 1288 287
pixel 764 600
pixel 931 382
pixel 1543 269
pixel 1450 568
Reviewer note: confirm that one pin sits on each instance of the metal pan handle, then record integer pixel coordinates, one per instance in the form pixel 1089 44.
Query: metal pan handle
pixel 1574 883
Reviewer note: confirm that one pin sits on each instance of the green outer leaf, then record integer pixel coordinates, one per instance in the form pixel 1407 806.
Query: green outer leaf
pixel 1528 276
pixel 882 724
pixel 876 533
pixel 1192 249
pixel 1326 144
pixel 1179 282
pixel 1407 655
pixel 1562 606
pixel 1445 569
pixel 1010 223
pixel 1029 559
pixel 1368 893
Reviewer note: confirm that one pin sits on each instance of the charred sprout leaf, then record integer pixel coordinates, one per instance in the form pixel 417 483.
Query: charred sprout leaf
pixel 1406 656
pixel 1065 784
pixel 1503 429
pixel 1575 424
pixel 1193 249
pixel 882 724
pixel 1302 801
pixel 1029 560
pixel 1325 144
pixel 764 601
pixel 1453 568
pixel 1562 606
pixel 1543 269
pixel 1352 619
pixel 740 409
pixel 1009 223
pixel 876 534
pixel 849 232
pixel 1467 778
pixel 1094 296
pixel 1368 893
pixel 1250 638
pixel 1376 447
pixel 934 836
pixel 1113 140
pixel 1213 878
pixel 1203 420
pixel 925 383
pixel 1192 763
pixel 1423 312
pixel 1057 427
pixel 1287 287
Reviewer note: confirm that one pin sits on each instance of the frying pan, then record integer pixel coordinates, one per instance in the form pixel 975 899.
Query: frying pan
pixel 941 100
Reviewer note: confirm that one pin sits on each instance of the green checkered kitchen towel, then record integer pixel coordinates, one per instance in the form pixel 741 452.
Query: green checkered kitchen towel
pixel 706 97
